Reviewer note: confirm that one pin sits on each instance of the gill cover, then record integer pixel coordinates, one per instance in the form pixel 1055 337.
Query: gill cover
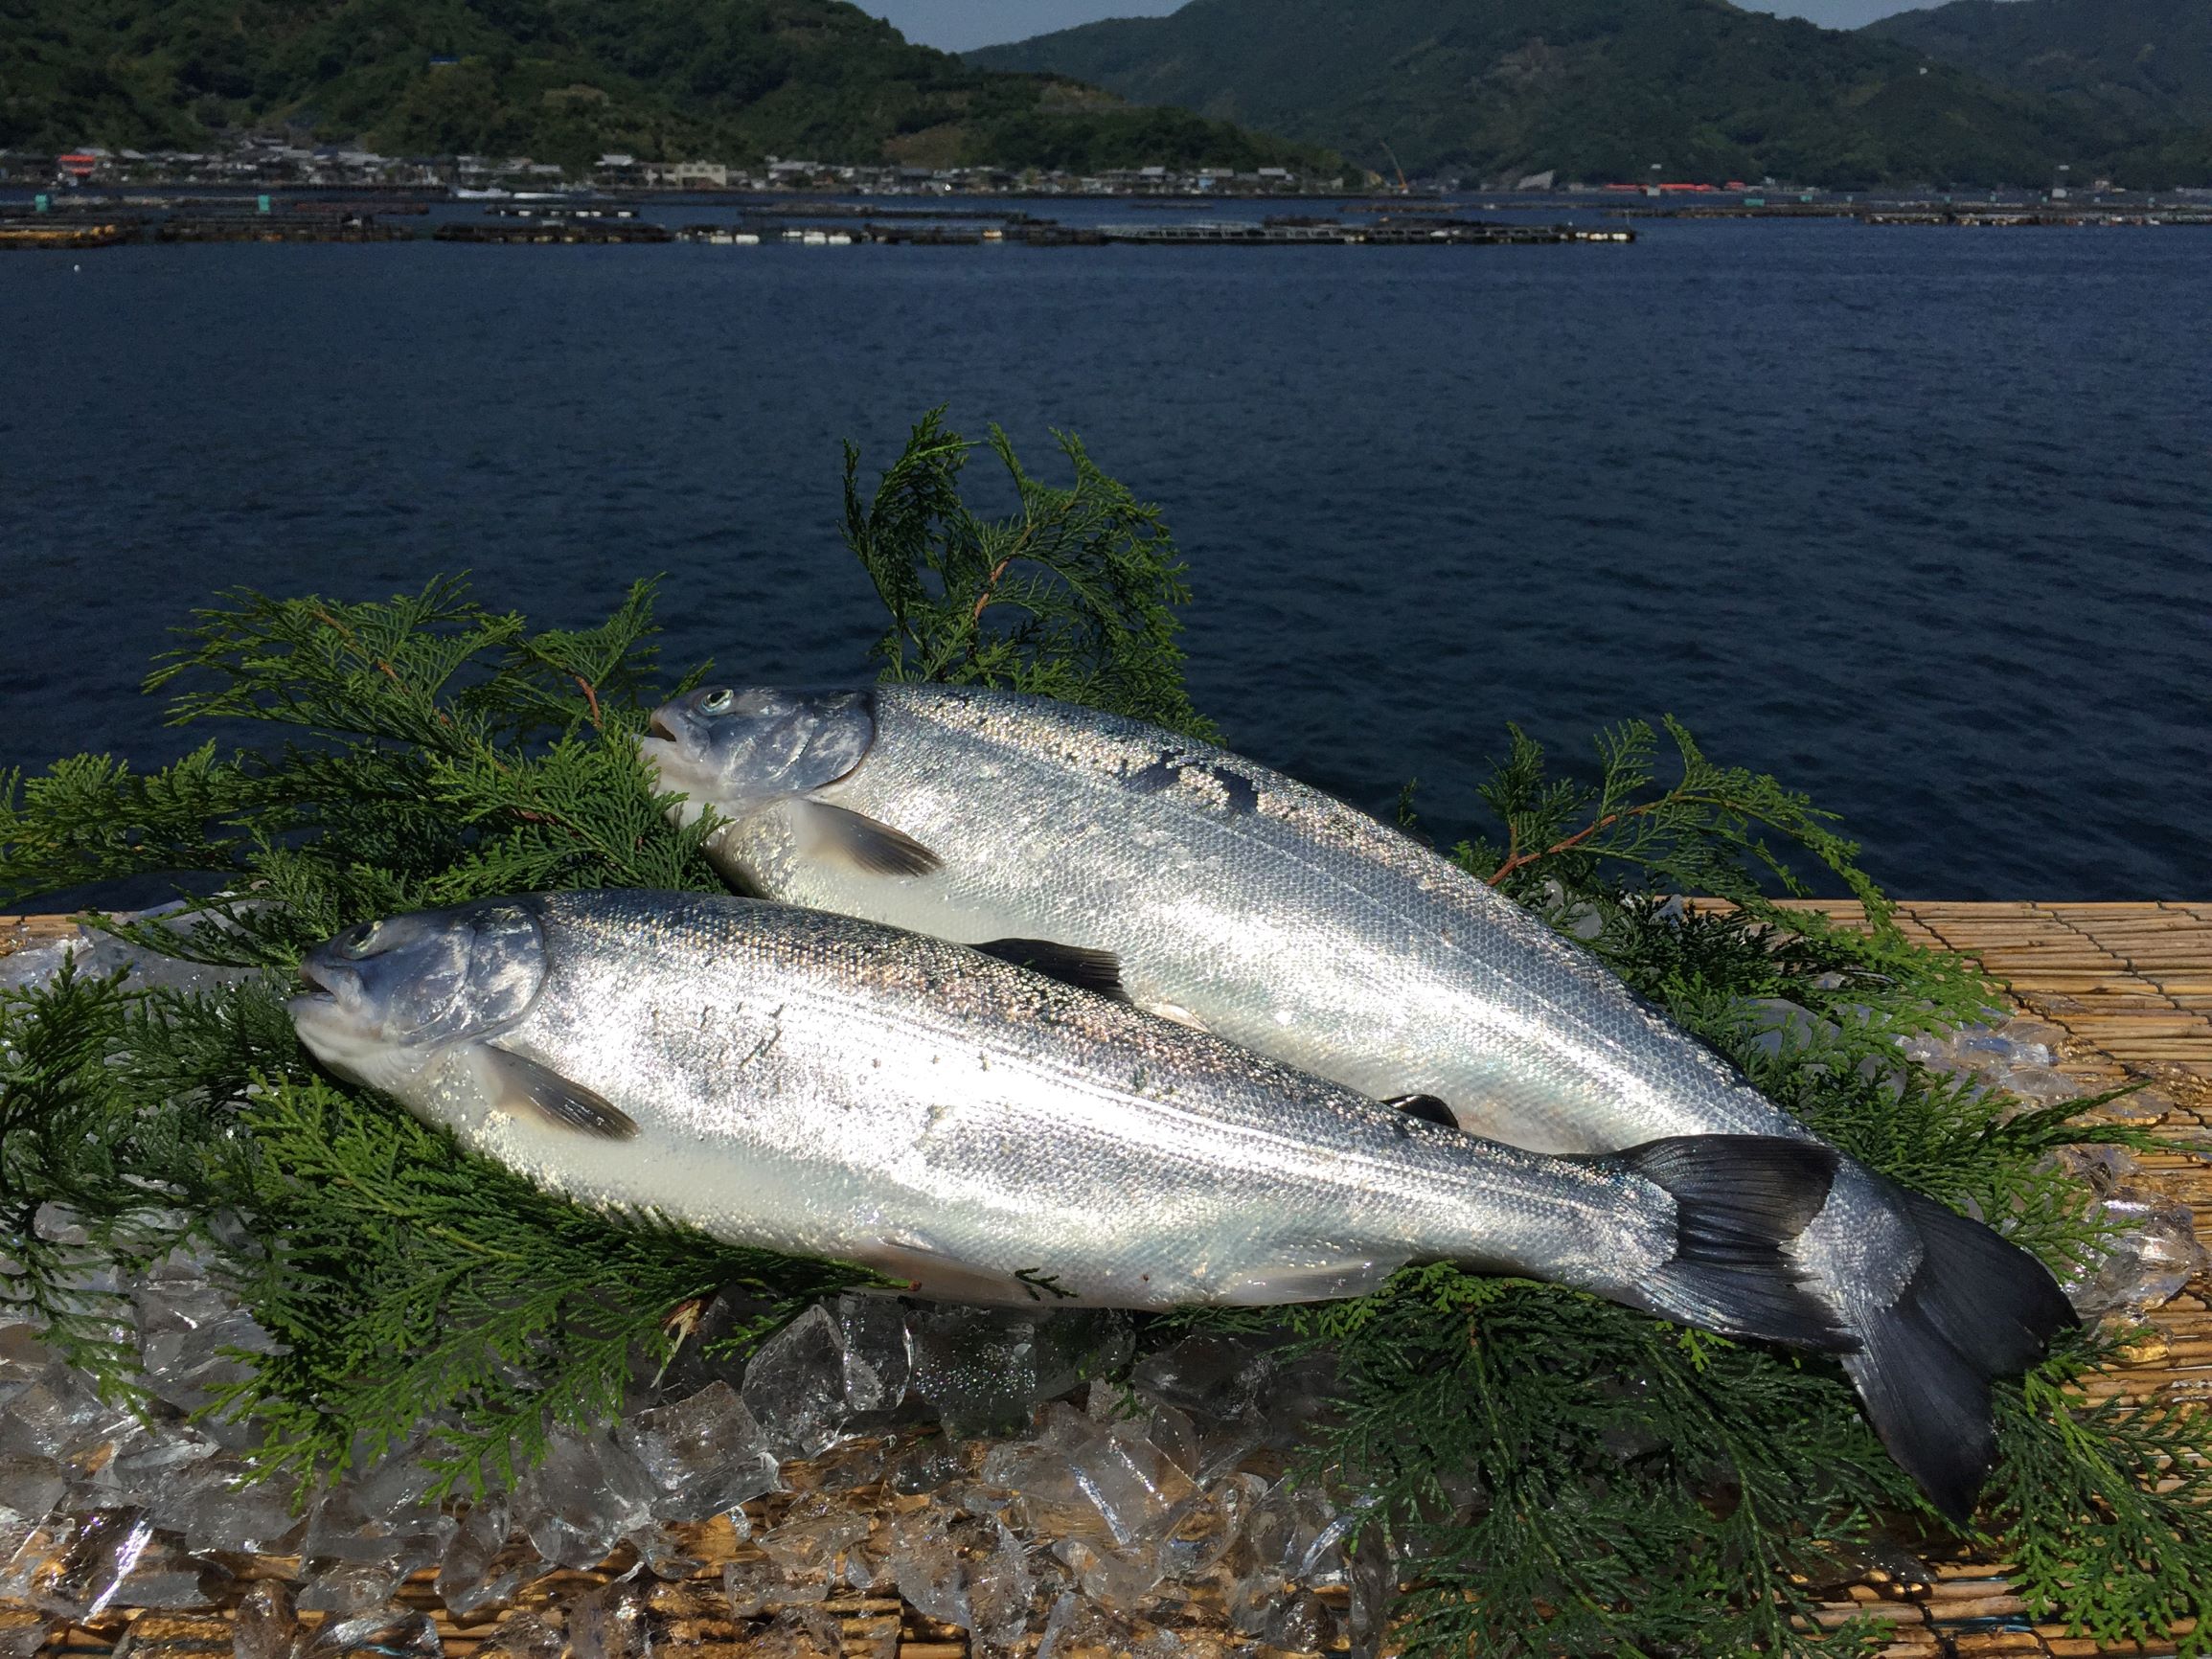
pixel 433 977
pixel 739 751
pixel 393 999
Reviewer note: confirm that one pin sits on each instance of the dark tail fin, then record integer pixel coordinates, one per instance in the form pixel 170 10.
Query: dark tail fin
pixel 1975 1308
pixel 1738 1200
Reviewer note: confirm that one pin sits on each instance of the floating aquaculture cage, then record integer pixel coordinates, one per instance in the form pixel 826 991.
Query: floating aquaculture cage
pixel 887 1477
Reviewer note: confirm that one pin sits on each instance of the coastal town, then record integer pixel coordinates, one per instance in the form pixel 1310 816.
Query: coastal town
pixel 287 161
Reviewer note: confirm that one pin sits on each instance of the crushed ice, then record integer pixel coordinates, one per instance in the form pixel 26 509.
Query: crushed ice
pixel 1005 1508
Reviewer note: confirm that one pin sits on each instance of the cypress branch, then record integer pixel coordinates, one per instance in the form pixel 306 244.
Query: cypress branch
pixel 1565 1476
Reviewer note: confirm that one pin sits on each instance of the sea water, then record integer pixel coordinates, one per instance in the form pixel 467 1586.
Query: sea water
pixel 1919 520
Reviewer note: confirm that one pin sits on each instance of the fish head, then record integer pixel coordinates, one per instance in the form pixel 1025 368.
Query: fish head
pixel 735 749
pixel 387 999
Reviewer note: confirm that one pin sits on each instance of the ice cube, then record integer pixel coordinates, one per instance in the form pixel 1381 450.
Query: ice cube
pixel 30 1487
pixel 387 1632
pixel 2146 1264
pixel 255 1520
pixel 1299 1622
pixel 926 1465
pixel 879 1349
pixel 1780 1027
pixel 362 1522
pixel 263 1626
pixel 756 1585
pixel 346 1588
pixel 35 966
pixel 797 1385
pixel 61 1416
pixel 584 1494
pixel 809 1545
pixel 167 1471
pixel 1372 1577
pixel 705 1455
pixel 471 1577
pixel 1000 1587
pixel 931 1578
pixel 798 1633
pixel 524 1633
pixel 78 1571
pixel 1208 1376
pixel 609 1623
pixel 2103 1167
pixel 1062 1627
pixel 1118 1579
pixel 1299 1392
pixel 23 1356
pixel 1133 1482
pixel 1204 1527
pixel 663 1552
pixel 986 1370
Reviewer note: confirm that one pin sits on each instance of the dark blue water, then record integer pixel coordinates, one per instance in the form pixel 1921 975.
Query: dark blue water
pixel 1919 520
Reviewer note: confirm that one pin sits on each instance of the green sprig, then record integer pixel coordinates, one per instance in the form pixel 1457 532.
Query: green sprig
pixel 1564 1476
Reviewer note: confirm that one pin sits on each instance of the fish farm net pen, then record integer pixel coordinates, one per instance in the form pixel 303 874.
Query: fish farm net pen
pixel 276 1361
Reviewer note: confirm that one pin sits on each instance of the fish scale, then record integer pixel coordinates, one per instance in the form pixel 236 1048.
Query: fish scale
pixel 1266 912
pixel 1357 968
pixel 825 1086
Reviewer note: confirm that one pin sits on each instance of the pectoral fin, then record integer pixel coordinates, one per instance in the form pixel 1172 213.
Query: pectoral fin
pixel 837 834
pixel 525 1087
pixel 1099 971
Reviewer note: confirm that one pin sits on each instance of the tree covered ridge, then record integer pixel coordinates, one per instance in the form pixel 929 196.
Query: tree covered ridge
pixel 566 81
pixel 2140 60
pixel 1605 90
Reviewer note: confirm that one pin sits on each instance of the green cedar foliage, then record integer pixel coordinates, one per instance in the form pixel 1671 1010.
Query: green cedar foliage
pixel 1566 1476
pixel 1074 597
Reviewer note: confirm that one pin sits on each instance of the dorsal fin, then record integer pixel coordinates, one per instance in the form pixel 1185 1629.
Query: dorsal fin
pixel 1098 972
pixel 1426 1107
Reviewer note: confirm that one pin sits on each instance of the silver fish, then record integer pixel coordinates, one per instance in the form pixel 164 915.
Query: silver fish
pixel 1231 897
pixel 826 1086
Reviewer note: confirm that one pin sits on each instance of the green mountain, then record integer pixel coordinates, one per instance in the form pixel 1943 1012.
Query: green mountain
pixel 2148 62
pixel 1597 90
pixel 566 81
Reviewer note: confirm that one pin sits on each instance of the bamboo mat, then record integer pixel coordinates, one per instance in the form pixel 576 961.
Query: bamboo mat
pixel 2129 985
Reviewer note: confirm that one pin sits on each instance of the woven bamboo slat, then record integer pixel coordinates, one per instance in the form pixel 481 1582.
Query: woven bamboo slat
pixel 2128 985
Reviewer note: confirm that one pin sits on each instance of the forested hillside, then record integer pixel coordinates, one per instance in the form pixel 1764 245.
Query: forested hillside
pixel 1596 90
pixel 2146 60
pixel 563 80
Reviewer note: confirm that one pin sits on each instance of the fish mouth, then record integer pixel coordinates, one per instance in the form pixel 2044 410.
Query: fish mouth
pixel 317 989
pixel 658 726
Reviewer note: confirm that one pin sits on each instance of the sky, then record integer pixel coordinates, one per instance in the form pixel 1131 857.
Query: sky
pixel 957 25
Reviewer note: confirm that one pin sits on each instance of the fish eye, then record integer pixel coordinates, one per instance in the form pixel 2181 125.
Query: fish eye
pixel 717 702
pixel 364 939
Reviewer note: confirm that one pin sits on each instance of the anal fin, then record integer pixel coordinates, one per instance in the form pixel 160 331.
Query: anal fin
pixel 521 1085
pixel 1099 971
pixel 839 835
pixel 924 1269
pixel 1306 1281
